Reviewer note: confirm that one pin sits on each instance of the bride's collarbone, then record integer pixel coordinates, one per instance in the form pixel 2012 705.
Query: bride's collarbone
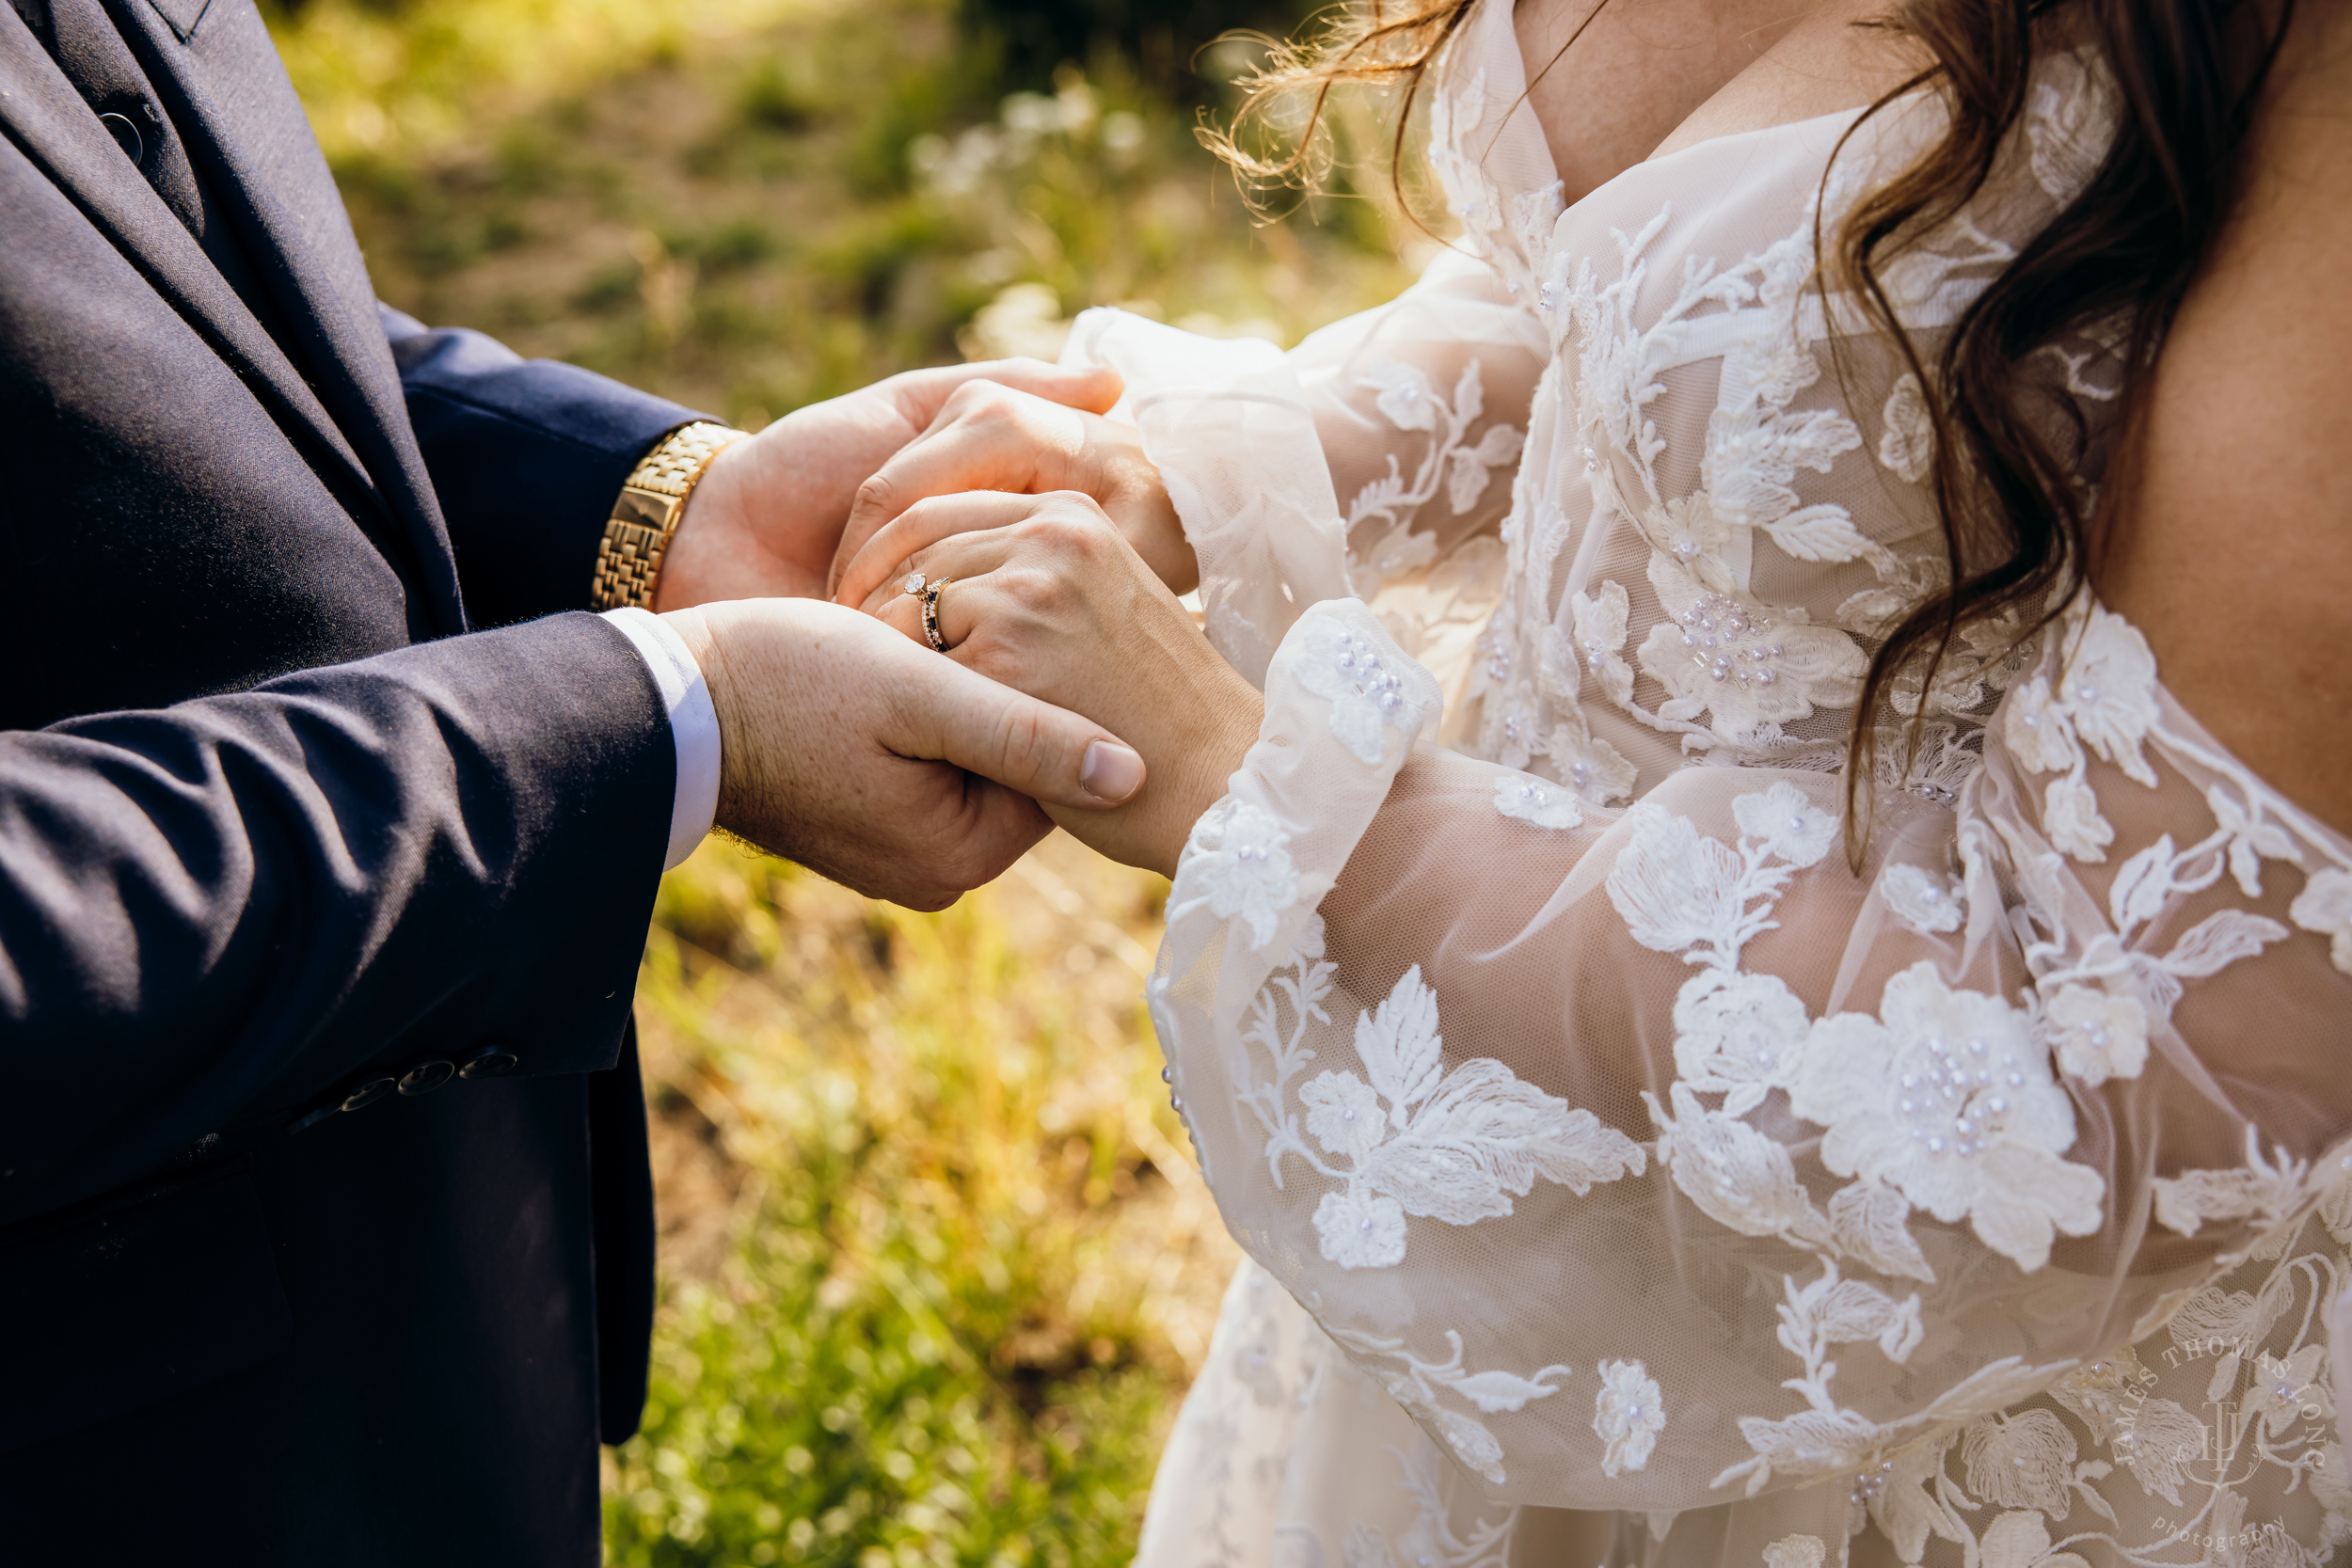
pixel 1646 78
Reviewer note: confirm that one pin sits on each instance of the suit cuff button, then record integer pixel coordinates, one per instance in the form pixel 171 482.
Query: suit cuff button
pixel 367 1093
pixel 426 1076
pixel 491 1061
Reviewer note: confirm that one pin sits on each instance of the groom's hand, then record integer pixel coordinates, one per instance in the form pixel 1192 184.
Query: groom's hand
pixel 767 515
pixel 873 760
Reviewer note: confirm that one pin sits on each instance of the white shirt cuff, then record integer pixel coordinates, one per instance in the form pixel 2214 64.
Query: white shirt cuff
pixel 693 727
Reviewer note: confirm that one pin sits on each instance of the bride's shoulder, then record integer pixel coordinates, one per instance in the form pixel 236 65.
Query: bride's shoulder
pixel 2227 537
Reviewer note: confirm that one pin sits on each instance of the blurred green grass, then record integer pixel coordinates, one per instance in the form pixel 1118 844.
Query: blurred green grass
pixel 755 205
pixel 934 1269
pixel 935 1266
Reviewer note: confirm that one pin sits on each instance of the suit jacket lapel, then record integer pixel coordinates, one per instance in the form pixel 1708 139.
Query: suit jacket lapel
pixel 40 110
pixel 246 131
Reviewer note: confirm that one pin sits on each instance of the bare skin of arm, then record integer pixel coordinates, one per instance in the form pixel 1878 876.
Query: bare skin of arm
pixel 2229 530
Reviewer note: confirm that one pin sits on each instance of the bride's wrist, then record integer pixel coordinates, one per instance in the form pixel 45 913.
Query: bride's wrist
pixel 1232 719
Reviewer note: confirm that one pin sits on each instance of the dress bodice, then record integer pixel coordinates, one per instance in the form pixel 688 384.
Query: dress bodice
pixel 1722 507
pixel 1622 1172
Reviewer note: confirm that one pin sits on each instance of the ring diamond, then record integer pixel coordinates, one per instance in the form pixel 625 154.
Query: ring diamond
pixel 913 583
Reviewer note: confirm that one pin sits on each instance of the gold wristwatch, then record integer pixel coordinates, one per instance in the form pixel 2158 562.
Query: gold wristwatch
pixel 647 514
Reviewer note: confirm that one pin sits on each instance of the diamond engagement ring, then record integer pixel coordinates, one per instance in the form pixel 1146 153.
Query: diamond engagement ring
pixel 913 583
pixel 930 608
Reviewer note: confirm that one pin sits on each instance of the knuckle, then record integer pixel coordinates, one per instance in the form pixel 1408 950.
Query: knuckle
pixel 981 401
pixel 1056 529
pixel 1022 742
pixel 925 560
pixel 985 655
pixel 1089 526
pixel 1034 589
pixel 874 495
pixel 918 519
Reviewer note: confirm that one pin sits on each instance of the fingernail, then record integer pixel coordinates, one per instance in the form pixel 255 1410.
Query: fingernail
pixel 1111 772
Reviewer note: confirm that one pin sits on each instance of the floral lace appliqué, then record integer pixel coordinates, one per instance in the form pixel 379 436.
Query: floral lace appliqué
pixel 1384 510
pixel 1948 1097
pixel 2325 905
pixel 1907 440
pixel 1628 1412
pixel 1431 1541
pixel 1526 798
pixel 1237 863
pixel 1927 903
pixel 1411 1137
pixel 1366 696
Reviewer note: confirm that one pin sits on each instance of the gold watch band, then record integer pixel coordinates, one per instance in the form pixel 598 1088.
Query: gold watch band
pixel 647 514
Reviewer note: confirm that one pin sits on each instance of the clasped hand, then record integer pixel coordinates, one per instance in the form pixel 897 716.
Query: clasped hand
pixel 1068 595
pixel 841 746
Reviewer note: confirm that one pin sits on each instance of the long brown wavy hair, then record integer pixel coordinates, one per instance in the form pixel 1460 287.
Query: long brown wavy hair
pixel 2018 534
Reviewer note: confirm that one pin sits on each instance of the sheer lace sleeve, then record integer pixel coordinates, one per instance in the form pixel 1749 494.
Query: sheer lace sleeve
pixel 1650 1159
pixel 1634 1183
pixel 1417 410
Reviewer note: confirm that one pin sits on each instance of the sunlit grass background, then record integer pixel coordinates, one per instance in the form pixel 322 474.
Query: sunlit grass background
pixel 935 1265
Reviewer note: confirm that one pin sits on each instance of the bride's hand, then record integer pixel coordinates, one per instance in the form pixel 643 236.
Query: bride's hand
pixel 990 437
pixel 1046 595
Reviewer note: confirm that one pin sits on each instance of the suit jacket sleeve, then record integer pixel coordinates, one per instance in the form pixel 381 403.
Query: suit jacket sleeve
pixel 215 915
pixel 526 457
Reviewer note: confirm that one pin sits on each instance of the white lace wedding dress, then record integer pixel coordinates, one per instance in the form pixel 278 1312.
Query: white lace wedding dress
pixel 1625 1181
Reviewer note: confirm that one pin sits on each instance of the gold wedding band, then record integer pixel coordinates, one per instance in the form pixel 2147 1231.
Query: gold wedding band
pixel 930 611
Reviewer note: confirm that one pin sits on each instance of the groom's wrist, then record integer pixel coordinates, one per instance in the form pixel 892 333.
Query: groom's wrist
pixel 647 511
pixel 676 668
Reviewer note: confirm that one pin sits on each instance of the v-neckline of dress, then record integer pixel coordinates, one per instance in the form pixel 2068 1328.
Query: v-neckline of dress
pixel 1522 140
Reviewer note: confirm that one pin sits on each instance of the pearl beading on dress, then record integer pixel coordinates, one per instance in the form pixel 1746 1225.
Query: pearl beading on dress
pixel 1359 661
pixel 1603 370
pixel 1945 1091
pixel 1725 639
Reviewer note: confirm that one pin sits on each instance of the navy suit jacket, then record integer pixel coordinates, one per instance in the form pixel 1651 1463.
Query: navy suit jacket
pixel 276 821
